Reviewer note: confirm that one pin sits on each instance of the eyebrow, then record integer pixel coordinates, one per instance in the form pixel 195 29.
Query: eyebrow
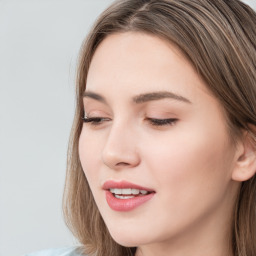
pixel 141 98
pixel 95 96
pixel 158 96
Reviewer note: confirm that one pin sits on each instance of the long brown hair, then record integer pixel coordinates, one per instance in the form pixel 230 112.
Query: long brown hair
pixel 219 39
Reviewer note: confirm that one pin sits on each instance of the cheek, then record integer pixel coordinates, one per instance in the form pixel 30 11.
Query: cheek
pixel 89 154
pixel 190 162
pixel 191 175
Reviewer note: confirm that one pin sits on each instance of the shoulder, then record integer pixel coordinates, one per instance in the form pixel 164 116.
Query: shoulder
pixel 68 251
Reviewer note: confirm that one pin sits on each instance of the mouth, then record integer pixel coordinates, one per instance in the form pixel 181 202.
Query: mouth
pixel 126 196
pixel 127 193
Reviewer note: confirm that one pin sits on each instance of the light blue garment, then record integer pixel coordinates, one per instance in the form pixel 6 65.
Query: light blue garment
pixel 68 251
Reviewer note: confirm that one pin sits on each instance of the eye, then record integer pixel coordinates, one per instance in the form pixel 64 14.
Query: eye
pixel 95 120
pixel 162 122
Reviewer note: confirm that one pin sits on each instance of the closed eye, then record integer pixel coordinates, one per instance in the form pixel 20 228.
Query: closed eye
pixel 162 122
pixel 95 120
pixel 153 121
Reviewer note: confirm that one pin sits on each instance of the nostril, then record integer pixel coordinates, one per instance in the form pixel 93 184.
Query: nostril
pixel 122 164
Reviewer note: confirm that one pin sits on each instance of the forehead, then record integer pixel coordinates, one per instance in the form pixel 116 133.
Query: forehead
pixel 133 62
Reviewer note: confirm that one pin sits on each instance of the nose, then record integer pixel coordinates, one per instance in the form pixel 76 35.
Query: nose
pixel 120 150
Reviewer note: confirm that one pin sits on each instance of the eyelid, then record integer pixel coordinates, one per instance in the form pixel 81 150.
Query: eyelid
pixel 162 121
pixel 89 119
pixel 95 122
pixel 93 111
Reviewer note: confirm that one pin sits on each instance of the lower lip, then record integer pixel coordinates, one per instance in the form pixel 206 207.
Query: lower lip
pixel 124 205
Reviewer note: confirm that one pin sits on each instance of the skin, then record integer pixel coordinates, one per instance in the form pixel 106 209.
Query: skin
pixel 189 163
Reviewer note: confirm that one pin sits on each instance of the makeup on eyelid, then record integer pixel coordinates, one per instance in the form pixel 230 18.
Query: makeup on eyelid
pixel 95 121
pixel 149 113
pixel 155 117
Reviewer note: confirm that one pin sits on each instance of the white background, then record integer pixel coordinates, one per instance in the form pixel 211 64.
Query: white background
pixel 39 43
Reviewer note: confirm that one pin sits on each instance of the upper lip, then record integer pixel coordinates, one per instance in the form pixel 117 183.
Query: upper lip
pixel 123 184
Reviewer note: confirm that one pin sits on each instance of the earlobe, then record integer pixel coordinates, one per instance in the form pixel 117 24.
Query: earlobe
pixel 245 167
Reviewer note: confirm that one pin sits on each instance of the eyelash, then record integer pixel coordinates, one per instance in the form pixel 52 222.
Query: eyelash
pixel 162 122
pixel 153 121
pixel 95 120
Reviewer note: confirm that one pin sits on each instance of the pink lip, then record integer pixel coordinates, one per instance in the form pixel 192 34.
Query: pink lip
pixel 123 184
pixel 117 204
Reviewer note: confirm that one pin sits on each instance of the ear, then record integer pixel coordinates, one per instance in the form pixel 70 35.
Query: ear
pixel 245 166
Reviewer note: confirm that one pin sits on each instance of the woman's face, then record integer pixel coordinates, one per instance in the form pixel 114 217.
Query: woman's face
pixel 155 147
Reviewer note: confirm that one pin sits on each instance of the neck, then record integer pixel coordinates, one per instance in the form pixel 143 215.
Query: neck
pixel 174 250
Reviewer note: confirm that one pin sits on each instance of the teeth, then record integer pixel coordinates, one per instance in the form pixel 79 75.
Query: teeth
pixel 135 191
pixel 118 191
pixel 127 191
pixel 124 197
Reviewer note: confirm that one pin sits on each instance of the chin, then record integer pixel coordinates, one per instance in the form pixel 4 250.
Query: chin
pixel 128 241
pixel 129 237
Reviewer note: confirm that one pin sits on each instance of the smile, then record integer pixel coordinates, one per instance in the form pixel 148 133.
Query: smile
pixel 127 193
pixel 125 196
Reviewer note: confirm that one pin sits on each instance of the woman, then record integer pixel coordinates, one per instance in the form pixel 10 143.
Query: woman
pixel 162 155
